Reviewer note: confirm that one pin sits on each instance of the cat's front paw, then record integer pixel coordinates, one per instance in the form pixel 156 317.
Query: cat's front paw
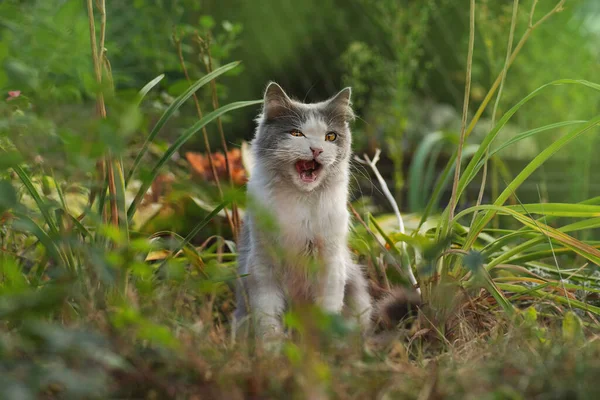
pixel 272 339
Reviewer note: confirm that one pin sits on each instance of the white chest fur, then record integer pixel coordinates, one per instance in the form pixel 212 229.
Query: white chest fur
pixel 320 217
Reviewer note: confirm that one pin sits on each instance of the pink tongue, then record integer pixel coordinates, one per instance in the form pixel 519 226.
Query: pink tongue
pixel 305 169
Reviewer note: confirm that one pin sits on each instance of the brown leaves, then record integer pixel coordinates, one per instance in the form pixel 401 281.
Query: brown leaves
pixel 200 166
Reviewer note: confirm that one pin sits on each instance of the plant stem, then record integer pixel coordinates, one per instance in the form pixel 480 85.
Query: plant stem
pixel 465 110
pixel 98 59
pixel 513 56
pixel 213 169
pixel 205 48
pixel 513 23
pixel 100 108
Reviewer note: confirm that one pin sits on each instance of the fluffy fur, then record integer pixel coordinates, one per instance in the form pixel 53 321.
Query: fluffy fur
pixel 293 247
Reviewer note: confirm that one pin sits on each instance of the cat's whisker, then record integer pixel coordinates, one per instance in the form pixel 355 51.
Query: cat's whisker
pixel 362 170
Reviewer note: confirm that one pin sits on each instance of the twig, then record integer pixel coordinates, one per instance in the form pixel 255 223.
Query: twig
pixel 386 191
pixel 98 59
pixel 101 5
pixel 465 111
pixel 207 57
pixel 577 271
pixel 213 169
pixel 95 59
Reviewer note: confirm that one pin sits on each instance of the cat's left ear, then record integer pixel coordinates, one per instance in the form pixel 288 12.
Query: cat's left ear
pixel 340 104
pixel 276 102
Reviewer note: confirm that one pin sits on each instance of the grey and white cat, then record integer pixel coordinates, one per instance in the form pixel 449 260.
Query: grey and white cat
pixel 299 182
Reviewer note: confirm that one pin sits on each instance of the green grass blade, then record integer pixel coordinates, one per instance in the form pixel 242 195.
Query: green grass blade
pixel 430 175
pixel 443 182
pixel 85 233
pixel 542 254
pixel 498 295
pixel 581 248
pixel 559 209
pixel 533 132
pixel 506 257
pixel 524 231
pixel 148 87
pixel 37 198
pixel 102 194
pixel 471 170
pixel 571 273
pixel 120 193
pixel 485 217
pixel 548 296
pixel 178 143
pixel 173 108
pixel 60 193
pixel 27 224
pixel 417 167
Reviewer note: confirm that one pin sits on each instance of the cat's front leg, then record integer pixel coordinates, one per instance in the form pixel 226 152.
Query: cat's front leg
pixel 333 280
pixel 266 300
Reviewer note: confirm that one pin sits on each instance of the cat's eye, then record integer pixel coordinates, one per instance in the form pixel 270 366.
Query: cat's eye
pixel 297 133
pixel 331 136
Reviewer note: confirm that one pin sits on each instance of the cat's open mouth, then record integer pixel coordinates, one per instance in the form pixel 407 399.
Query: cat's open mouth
pixel 308 170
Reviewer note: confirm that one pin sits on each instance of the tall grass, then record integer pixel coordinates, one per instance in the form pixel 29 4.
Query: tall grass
pixel 477 250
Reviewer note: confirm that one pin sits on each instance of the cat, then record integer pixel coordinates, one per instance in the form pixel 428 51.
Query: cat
pixel 297 215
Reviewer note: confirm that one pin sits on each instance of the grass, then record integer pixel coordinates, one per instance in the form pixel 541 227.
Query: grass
pixel 91 307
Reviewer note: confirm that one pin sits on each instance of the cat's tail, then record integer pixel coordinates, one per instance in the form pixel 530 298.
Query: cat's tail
pixel 396 306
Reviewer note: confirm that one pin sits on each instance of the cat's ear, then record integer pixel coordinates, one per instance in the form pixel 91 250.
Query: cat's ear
pixel 340 104
pixel 276 102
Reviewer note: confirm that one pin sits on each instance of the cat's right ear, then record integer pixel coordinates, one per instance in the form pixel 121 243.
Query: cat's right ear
pixel 276 102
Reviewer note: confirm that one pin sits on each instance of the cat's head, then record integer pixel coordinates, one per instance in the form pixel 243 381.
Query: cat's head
pixel 303 143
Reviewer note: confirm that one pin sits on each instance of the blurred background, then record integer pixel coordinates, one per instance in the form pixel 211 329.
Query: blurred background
pixel 404 60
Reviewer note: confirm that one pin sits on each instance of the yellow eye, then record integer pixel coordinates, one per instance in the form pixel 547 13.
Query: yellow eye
pixel 331 136
pixel 296 133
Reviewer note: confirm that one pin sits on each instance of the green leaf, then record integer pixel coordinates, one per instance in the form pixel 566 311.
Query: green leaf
pixel 572 328
pixel 37 198
pixel 26 224
pixel 417 169
pixel 148 87
pixel 8 196
pixel 207 22
pixel 559 209
pixel 530 315
pixel 11 276
pixel 33 301
pixel 473 260
pixel 9 159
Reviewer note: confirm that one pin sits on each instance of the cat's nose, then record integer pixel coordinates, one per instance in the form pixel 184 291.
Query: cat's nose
pixel 316 151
